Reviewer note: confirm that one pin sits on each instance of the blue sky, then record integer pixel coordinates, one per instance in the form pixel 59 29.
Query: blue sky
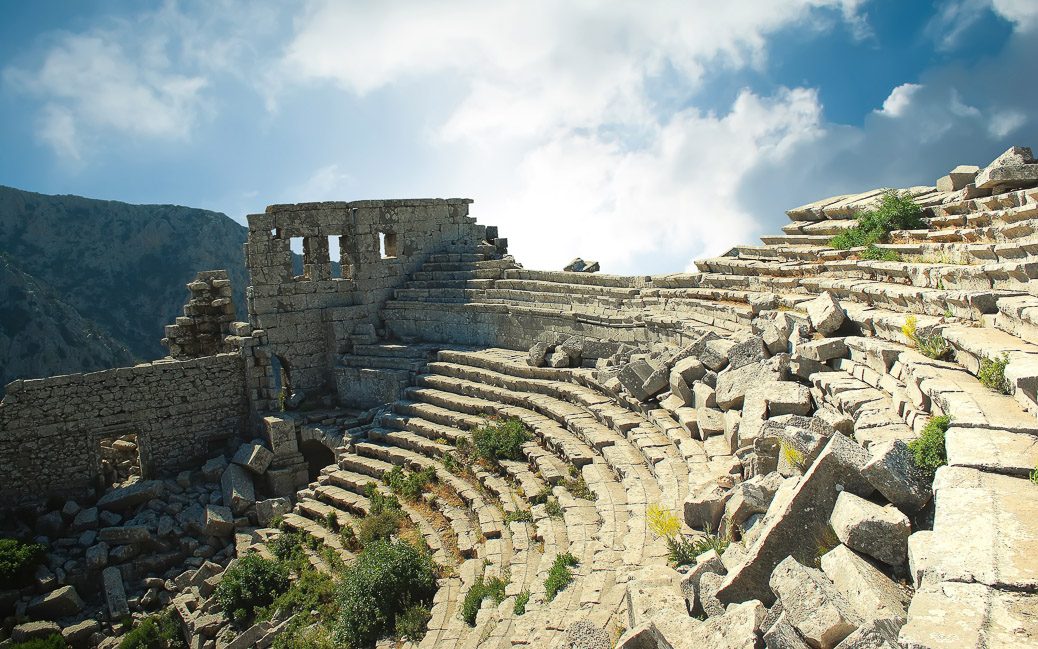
pixel 643 135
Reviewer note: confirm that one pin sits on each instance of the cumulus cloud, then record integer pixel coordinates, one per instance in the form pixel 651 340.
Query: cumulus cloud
pixel 146 78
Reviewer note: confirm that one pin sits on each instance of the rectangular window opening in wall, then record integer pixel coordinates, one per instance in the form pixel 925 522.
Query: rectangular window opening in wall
pixel 295 246
pixel 120 460
pixel 387 244
pixel 334 248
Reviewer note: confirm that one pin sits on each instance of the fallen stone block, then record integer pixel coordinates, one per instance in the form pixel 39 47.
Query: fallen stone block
pixel 97 556
pixel 1001 179
pixel 214 468
pixel 680 390
pixel 115 594
pixel 61 602
pixel 124 535
pixel 797 519
pixel 78 634
pixel 714 353
pixel 135 494
pixel 919 555
pixel 652 591
pixel 738 627
pixel 993 451
pixel 266 510
pixel 219 521
pixel 747 352
pixel 254 457
pixel 958 178
pixel 893 473
pixel 537 355
pixel 639 637
pixel 877 634
pixel 709 561
pixel 707 600
pixel 787 398
pixel 813 604
pixel 880 532
pixel 33 630
pixel 704 505
pixel 823 350
pixel 783 635
pixel 825 313
pixel 872 594
pixel 238 490
pixel 633 376
pixel 732 384
pixel 558 358
pixel 709 421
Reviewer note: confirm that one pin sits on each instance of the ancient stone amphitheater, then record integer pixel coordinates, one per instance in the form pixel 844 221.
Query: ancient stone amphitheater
pixel 759 411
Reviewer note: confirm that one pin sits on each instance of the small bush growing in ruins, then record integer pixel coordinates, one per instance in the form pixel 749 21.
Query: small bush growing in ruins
pixel 521 600
pixel 53 641
pixel 793 456
pixel 993 373
pixel 156 632
pixel 553 508
pixel 450 462
pixel 379 527
pixel 1033 475
pixel 253 582
pixel 578 487
pixel 664 524
pixel 331 521
pixel 519 516
pixel 492 589
pixel 876 253
pixel 932 346
pixel 895 211
pixel 18 561
pixel 928 449
pixel 824 544
pixel 413 623
pixel 379 502
pixel 501 440
pixel 310 637
pixel 542 496
pixel 386 580
pixel 349 538
pixel 559 576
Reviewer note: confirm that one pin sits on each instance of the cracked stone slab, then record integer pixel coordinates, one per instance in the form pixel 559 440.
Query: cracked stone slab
pixel 994 451
pixel 951 615
pixel 985 529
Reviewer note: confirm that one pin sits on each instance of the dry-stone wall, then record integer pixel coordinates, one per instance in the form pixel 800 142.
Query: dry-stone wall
pixel 310 319
pixel 52 428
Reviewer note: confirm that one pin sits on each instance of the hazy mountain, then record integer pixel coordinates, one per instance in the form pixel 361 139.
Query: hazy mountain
pixel 83 276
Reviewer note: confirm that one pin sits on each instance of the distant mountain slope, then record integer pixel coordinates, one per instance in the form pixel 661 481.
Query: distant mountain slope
pixel 40 335
pixel 122 267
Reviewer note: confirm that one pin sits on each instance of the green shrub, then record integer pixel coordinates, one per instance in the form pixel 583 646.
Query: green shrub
pixel 331 521
pixel 380 502
pixel 450 462
pixel 310 637
pixel 482 588
pixel 895 211
pixel 578 487
pixel 286 546
pixel 18 561
pixel 553 508
pixel 993 373
pixel 349 538
pixel 385 581
pixel 559 576
pixel 379 527
pixel 520 601
pixel 310 591
pixel 413 623
pixel 879 254
pixel 251 583
pixel 502 440
pixel 53 641
pixel 156 632
pixel 519 516
pixel 932 346
pixel 928 449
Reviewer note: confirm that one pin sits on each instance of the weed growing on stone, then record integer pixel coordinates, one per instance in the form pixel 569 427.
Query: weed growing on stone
pixel 928 449
pixel 521 600
pixel 492 589
pixel 578 487
pixel 159 630
pixel 411 485
pixel 413 623
pixel 825 543
pixel 932 345
pixel 872 252
pixel 993 373
pixel 793 456
pixel 500 440
pixel 664 524
pixel 559 576
pixel 253 582
pixel 1033 475
pixel 895 211
pixel 519 516
pixel 553 508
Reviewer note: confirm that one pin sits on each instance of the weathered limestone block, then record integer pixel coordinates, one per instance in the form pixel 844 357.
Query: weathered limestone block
pixel 709 561
pixel 880 532
pixel 124 535
pixel 633 377
pixel 985 529
pixel 787 398
pixel 537 355
pixel 751 350
pixel 115 594
pixel 219 521
pixel 783 635
pixel 639 637
pixel 78 634
pixel 85 519
pixel 919 555
pixel 253 457
pixel 266 510
pixel 714 353
pixel 281 434
pixel 33 630
pixel 991 450
pixel 736 628
pixel 61 602
pixel 707 601
pixel 796 515
pixel 957 178
pixel 813 604
pixel 825 313
pixel 950 615
pixel 709 421
pixel 877 634
pixel 822 350
pixel 704 505
pixel 214 468
pixel 558 358
pixel 135 494
pixel 238 490
pixel 97 556
pixel 651 591
pixel 872 594
pixel 574 348
pixel 1000 179
pixel 893 473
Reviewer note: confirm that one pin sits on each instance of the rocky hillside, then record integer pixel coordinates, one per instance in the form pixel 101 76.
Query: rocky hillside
pixel 88 284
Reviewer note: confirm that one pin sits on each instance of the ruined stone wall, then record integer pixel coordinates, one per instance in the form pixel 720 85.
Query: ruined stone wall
pixel 308 320
pixel 51 429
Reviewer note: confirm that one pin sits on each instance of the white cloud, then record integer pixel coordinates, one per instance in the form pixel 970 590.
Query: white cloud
pixel 144 78
pixel 900 97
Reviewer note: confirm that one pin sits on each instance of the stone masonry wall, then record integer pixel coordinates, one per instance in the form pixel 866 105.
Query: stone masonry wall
pixel 308 320
pixel 51 429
